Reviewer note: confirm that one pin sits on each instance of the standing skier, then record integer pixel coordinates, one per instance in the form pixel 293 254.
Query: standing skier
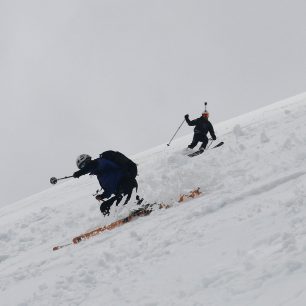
pixel 115 173
pixel 202 127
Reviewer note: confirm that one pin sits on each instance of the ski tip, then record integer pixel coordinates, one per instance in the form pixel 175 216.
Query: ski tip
pixel 77 240
pixel 60 246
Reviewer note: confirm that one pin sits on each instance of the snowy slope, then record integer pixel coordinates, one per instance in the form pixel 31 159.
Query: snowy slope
pixel 242 243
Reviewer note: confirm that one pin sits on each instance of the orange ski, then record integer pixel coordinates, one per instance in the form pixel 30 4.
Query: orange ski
pixel 141 212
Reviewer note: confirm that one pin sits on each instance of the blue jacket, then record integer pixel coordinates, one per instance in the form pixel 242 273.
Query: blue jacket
pixel 108 174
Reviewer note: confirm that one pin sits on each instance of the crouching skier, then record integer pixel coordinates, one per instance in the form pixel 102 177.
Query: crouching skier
pixel 116 175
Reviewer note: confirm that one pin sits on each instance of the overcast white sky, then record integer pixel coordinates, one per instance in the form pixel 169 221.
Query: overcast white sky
pixel 87 76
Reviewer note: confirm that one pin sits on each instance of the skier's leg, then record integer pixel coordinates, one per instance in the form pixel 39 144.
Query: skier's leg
pixel 204 143
pixel 194 142
pixel 119 198
pixel 133 184
pixel 105 206
pixel 126 187
pixel 129 187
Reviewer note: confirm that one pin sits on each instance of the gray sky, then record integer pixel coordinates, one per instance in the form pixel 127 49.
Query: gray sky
pixel 87 76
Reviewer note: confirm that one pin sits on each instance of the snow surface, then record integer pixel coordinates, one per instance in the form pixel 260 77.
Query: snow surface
pixel 242 243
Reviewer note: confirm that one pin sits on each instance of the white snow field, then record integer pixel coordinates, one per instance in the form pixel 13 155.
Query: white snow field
pixel 243 243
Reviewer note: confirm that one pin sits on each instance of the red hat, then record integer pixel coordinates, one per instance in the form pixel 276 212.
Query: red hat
pixel 205 114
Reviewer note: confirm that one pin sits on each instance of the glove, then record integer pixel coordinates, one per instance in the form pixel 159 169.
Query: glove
pixel 76 174
pixel 187 117
pixel 100 197
pixel 214 137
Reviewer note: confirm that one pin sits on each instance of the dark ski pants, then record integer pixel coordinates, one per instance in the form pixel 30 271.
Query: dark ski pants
pixel 125 188
pixel 199 138
pixel 106 205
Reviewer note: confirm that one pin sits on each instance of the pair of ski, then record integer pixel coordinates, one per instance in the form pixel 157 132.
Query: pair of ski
pixel 144 210
pixel 198 152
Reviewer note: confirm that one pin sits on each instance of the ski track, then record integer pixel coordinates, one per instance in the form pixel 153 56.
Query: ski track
pixel 242 243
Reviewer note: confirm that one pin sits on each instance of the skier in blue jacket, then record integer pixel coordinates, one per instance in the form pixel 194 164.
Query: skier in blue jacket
pixel 115 179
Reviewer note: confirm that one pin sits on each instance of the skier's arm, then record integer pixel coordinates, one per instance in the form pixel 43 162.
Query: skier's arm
pixel 87 169
pixel 212 132
pixel 190 122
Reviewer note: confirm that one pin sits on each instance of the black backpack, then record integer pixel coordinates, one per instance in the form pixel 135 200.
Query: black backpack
pixel 128 166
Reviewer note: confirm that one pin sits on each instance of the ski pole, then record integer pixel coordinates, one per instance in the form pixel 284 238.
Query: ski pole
pixel 53 180
pixel 211 141
pixel 168 144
